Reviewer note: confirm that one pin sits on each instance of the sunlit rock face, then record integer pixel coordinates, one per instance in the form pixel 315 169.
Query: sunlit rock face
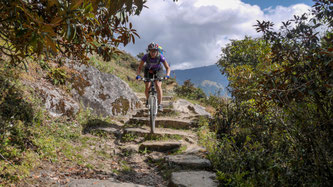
pixel 104 93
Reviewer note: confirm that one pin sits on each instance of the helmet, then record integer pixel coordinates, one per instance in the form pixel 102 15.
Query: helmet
pixel 153 46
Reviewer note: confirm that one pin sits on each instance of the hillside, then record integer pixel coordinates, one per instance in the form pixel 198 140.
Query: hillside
pixel 81 125
pixel 209 78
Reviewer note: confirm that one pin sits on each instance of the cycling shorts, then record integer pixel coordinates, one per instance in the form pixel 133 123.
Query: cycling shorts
pixel 148 74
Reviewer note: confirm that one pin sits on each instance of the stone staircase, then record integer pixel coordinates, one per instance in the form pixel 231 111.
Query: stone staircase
pixel 173 146
pixel 173 132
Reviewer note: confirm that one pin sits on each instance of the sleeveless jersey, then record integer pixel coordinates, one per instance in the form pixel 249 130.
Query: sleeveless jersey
pixel 153 63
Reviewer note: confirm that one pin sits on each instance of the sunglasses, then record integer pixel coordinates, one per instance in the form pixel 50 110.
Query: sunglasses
pixel 153 50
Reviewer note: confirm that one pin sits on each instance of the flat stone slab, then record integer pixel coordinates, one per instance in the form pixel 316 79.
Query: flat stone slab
pixel 188 161
pixel 165 98
pixel 99 183
pixel 193 179
pixel 163 122
pixel 143 112
pixel 160 132
pixel 195 150
pixel 185 106
pixel 109 130
pixel 132 148
pixel 160 146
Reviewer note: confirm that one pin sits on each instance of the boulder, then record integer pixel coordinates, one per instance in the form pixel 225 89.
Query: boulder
pixel 104 93
pixel 56 101
pixel 185 106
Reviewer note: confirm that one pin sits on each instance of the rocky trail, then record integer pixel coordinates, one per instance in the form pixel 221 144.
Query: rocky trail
pixel 170 157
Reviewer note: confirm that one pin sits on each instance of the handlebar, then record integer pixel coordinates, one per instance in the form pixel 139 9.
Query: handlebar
pixel 153 79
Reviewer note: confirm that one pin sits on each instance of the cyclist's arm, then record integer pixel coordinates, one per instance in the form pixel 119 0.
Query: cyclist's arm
pixel 140 67
pixel 167 68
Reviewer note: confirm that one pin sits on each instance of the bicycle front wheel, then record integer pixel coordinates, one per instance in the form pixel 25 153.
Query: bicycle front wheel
pixel 152 111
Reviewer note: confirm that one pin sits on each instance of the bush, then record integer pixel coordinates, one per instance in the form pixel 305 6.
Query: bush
pixel 278 129
pixel 188 90
pixel 57 76
pixel 16 116
pixel 256 150
pixel 13 108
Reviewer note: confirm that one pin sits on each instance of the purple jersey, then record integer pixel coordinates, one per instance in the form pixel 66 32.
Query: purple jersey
pixel 153 63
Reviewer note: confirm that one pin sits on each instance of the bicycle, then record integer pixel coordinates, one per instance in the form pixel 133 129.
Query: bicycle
pixel 152 100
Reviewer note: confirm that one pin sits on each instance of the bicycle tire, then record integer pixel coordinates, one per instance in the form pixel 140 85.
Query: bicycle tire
pixel 152 111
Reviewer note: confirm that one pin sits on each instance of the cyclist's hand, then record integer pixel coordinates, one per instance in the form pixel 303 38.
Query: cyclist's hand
pixel 167 77
pixel 138 77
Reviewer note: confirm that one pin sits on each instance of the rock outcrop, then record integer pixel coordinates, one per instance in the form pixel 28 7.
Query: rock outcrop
pixel 185 106
pixel 105 93
pixel 56 101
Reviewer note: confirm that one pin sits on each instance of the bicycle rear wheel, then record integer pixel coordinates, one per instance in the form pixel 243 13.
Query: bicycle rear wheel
pixel 153 112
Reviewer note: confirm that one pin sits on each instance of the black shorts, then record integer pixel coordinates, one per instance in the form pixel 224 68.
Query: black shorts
pixel 149 74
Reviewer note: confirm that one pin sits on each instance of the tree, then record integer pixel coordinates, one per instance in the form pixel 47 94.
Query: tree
pixel 248 51
pixel 32 28
pixel 189 90
pixel 283 104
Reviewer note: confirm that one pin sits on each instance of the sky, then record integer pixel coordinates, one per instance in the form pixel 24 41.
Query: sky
pixel 193 32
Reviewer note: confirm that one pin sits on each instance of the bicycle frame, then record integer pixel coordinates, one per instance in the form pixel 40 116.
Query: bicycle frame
pixel 152 102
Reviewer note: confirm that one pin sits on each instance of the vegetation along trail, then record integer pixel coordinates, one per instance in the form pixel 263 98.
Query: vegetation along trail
pixel 72 113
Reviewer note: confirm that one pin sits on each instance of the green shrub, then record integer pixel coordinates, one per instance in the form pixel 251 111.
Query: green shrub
pixel 253 149
pixel 57 76
pixel 188 90
pixel 278 129
pixel 15 112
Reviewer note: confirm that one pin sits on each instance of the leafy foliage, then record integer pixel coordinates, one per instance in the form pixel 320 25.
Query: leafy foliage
pixel 188 90
pixel 73 28
pixel 13 109
pixel 278 129
pixel 243 52
pixel 57 76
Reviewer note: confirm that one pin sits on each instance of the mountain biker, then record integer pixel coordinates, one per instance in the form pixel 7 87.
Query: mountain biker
pixel 152 61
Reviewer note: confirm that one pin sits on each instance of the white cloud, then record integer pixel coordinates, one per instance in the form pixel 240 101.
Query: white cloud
pixel 193 31
pixel 281 13
pixel 184 65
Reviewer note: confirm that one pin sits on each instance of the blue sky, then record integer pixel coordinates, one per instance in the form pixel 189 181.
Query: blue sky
pixel 273 3
pixel 192 32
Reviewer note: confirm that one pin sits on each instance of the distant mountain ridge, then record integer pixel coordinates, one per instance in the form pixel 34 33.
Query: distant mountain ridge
pixel 208 78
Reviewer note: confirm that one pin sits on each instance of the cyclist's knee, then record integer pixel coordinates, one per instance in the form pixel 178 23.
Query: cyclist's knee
pixel 158 84
pixel 159 87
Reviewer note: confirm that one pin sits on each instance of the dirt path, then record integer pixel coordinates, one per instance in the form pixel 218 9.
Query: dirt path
pixel 128 155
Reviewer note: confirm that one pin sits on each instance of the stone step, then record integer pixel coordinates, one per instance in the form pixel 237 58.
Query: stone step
pixel 166 146
pixel 193 148
pixel 99 183
pixel 163 122
pixel 188 162
pixel 160 132
pixel 164 98
pixel 144 112
pixel 193 179
pixel 142 95
pixel 165 104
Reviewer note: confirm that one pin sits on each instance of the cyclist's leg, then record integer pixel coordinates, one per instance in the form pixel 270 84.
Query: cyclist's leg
pixel 160 75
pixel 147 84
pixel 159 91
